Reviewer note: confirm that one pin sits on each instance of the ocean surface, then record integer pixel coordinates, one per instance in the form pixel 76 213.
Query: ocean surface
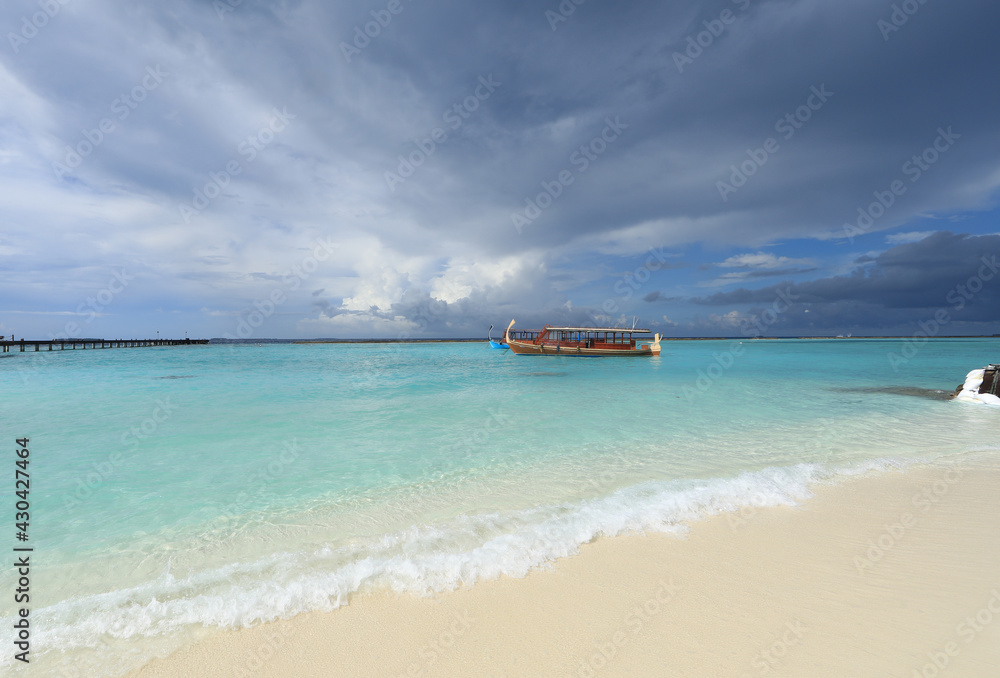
pixel 177 491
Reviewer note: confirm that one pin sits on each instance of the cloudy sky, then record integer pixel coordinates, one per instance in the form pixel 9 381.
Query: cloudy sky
pixel 407 168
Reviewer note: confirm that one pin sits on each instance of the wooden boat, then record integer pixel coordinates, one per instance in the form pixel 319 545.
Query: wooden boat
pixel 582 341
pixel 495 344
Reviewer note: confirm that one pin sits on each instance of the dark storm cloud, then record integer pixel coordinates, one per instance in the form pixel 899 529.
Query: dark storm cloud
pixel 276 125
pixel 659 296
pixel 957 271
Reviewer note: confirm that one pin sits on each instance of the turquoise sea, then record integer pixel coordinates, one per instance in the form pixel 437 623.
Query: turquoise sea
pixel 177 491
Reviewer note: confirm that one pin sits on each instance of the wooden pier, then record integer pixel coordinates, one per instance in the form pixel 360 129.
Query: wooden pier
pixel 73 344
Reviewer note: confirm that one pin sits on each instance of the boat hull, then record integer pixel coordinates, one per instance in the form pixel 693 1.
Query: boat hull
pixel 527 348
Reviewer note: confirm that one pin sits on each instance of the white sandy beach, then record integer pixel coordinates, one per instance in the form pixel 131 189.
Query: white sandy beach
pixel 892 575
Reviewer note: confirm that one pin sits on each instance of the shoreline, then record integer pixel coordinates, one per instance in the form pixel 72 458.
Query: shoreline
pixel 878 575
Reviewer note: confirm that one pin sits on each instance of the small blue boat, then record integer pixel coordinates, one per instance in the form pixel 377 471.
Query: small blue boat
pixel 495 344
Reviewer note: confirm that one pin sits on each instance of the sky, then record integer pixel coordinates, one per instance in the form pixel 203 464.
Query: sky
pixel 427 168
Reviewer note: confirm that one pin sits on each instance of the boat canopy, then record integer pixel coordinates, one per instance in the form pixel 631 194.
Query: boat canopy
pixel 619 330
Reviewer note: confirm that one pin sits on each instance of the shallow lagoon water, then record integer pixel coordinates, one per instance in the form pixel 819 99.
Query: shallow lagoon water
pixel 179 490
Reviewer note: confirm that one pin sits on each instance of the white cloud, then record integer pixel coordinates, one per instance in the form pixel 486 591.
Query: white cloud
pixel 763 260
pixel 462 276
pixel 903 238
pixel 756 265
pixel 732 319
